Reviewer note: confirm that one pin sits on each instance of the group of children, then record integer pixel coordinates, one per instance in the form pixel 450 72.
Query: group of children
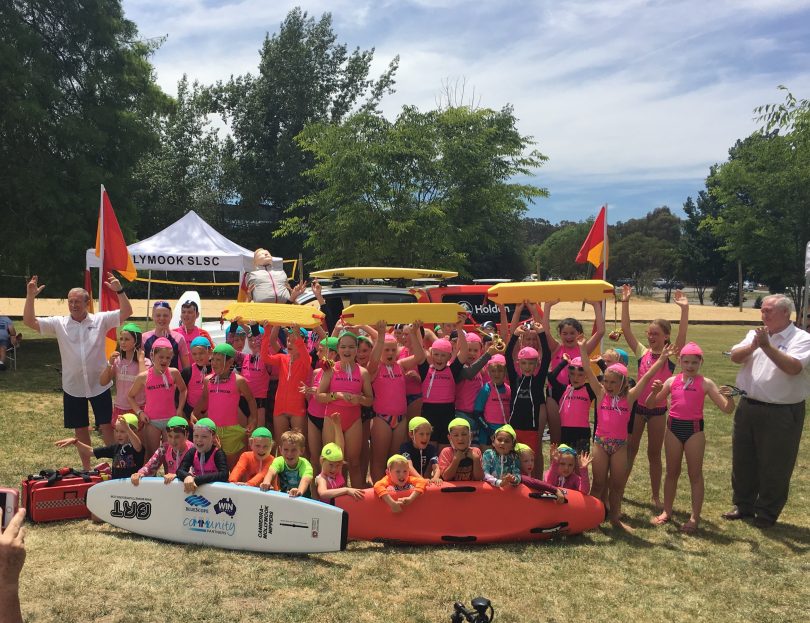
pixel 410 406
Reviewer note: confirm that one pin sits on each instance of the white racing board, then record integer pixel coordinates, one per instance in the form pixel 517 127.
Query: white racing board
pixel 221 515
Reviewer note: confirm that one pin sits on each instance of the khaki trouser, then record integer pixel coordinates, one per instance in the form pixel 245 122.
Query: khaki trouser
pixel 764 445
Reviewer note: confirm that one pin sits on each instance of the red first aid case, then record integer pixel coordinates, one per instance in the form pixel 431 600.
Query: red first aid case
pixel 54 495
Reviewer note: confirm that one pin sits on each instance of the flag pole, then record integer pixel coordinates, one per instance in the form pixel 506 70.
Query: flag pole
pixel 604 274
pixel 101 245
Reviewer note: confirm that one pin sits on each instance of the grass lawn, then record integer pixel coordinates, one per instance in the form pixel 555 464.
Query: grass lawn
pixel 77 571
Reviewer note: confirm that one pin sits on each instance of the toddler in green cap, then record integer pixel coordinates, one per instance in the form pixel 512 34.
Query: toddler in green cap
pixel 460 461
pixel 330 483
pixel 126 453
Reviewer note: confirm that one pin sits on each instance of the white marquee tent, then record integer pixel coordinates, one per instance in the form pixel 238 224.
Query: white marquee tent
pixel 189 244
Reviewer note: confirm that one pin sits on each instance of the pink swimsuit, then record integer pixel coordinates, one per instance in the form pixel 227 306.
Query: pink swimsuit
pixel 349 381
pixel 439 386
pixel 557 357
pixel 257 375
pixel 223 400
pixel 126 372
pixel 646 362
pixel 195 385
pixel 496 409
pixel 413 386
pixel 575 407
pixel 160 395
pixel 613 418
pixel 314 408
pixel 467 391
pixel 389 390
pixel 687 398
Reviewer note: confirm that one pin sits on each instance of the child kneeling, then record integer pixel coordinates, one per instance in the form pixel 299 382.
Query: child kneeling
pixel 398 478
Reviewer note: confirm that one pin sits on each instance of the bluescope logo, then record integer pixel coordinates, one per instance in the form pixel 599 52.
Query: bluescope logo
pixel 197 504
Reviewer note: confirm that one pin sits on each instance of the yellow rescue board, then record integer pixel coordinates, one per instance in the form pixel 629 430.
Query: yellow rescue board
pixel 382 272
pixel 402 313
pixel 534 291
pixel 277 314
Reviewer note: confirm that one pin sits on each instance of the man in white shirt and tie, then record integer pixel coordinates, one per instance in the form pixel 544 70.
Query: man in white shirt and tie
pixel 768 422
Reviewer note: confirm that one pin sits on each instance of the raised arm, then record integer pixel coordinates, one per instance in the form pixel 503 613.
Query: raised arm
pixel 516 316
pixel 599 327
pixel 29 316
pixel 632 395
pixel 682 302
pixel 632 342
pixel 552 343
pixel 590 377
pixel 124 306
pixel 376 352
pixel 720 396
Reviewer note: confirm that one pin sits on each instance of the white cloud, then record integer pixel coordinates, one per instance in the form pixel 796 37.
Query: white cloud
pixel 614 90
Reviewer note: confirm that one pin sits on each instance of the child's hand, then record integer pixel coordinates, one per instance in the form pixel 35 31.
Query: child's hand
pixel 396 507
pixel 189 486
pixel 508 479
pixel 554 453
pixel 169 478
pixel 668 351
pixel 657 386
pixel 264 323
pixel 381 326
pixel 114 357
pixel 140 354
pixel 680 299
pixel 585 459
pixel 627 293
pixel 357 494
pixel 135 479
pixel 264 486
pixel 295 492
pixel 436 481
pixel 581 341
pixel 335 419
pixel 64 443
pixel 493 349
pixel 560 497
pixel 193 419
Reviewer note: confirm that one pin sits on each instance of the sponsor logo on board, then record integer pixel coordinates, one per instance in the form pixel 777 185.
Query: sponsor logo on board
pixel 315 527
pixel 225 505
pixel 197 500
pixel 211 526
pixel 125 509
pixel 265 522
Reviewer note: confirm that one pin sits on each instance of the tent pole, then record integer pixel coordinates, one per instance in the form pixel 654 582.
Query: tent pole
pixel 148 296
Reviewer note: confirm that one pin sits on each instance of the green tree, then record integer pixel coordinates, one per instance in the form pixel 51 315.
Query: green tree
pixel 764 191
pixel 555 256
pixel 702 263
pixel 78 108
pixel 187 170
pixel 305 76
pixel 430 188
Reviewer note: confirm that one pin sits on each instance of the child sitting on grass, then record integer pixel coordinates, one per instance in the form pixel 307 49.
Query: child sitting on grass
pixel 398 478
pixel 330 483
pixel 252 466
pixel 293 470
pixel 569 470
pixel 422 455
pixel 170 454
pixel 126 453
pixel 206 462
pixel 459 461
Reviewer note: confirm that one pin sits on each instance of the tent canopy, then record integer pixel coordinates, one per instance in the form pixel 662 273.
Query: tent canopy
pixel 189 244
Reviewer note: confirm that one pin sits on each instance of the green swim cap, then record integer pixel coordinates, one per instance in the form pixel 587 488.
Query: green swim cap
pixel 177 421
pixel 417 422
pixel 225 349
pixel 507 428
pixel 206 423
pixel 332 452
pixel 131 419
pixel 365 338
pixel 459 421
pixel 520 448
pixel 262 432
pixel 397 458
pixel 132 328
pixel 331 343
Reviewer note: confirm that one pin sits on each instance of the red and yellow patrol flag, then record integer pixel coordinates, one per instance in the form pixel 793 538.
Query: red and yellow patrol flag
pixel 595 248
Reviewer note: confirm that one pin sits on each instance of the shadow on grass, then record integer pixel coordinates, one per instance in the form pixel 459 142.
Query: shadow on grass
pixel 187 548
pixel 795 538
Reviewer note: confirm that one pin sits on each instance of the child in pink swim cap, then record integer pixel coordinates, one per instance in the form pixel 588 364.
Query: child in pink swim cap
pixel 684 434
pixel 615 400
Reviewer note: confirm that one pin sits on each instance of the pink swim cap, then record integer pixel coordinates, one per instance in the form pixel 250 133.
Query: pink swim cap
pixel 527 352
pixel 389 338
pixel 618 368
pixel 473 337
pixel 576 362
pixel 692 349
pixel 161 342
pixel 442 345
pixel 497 360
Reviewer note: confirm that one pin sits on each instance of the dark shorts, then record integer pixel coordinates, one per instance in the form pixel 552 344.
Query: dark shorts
pixel 648 413
pixel 578 437
pixel 243 404
pixel 439 415
pixel 556 395
pixel 77 414
pixel 684 429
pixel 5 342
pixel 367 413
pixel 317 421
pixel 409 398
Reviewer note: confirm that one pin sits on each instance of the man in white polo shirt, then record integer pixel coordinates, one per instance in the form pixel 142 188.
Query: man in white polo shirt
pixel 80 336
pixel 768 422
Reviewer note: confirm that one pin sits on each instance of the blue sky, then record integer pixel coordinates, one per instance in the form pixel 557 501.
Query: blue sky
pixel 631 100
